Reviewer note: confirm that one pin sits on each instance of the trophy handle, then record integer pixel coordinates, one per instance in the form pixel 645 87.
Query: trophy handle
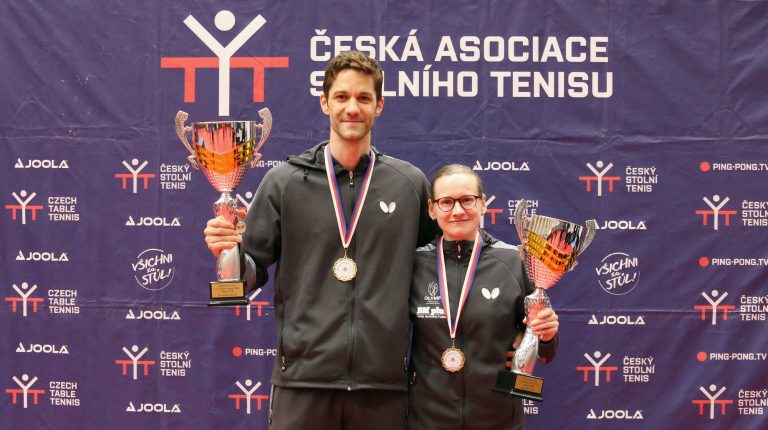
pixel 266 128
pixel 521 220
pixel 589 236
pixel 181 130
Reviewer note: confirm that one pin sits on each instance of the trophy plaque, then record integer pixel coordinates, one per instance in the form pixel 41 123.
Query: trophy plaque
pixel 223 150
pixel 549 248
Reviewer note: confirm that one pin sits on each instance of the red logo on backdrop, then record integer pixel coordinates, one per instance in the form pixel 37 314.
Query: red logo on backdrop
pixel 715 211
pixel 24 391
pixel 224 60
pixel 599 178
pixel 135 176
pixel 714 306
pixel 19 211
pixel 597 367
pixel 24 298
pixel 712 400
pixel 253 302
pixel 135 361
pixel 247 395
pixel 492 212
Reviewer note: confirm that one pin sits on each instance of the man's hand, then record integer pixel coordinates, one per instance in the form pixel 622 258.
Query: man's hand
pixel 220 234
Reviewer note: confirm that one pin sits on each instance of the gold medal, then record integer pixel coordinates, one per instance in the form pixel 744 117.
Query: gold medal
pixel 344 269
pixel 240 227
pixel 452 359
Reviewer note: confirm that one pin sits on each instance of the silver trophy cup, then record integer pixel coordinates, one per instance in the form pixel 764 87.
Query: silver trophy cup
pixel 549 248
pixel 224 150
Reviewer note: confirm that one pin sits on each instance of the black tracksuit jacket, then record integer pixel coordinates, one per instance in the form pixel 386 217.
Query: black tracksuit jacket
pixel 332 334
pixel 494 311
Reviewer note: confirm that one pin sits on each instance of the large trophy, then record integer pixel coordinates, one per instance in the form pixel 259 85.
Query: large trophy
pixel 224 150
pixel 549 248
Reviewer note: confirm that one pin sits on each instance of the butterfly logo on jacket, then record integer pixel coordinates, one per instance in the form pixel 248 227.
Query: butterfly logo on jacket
pixel 490 295
pixel 388 208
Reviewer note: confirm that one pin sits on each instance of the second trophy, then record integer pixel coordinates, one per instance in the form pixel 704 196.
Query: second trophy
pixel 223 150
pixel 549 248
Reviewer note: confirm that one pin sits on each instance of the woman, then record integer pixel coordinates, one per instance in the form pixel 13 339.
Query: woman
pixel 466 304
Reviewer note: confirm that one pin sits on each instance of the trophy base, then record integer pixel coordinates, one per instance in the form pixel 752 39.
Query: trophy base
pixel 228 293
pixel 519 385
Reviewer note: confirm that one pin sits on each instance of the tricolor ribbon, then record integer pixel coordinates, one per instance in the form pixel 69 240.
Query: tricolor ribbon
pixel 346 232
pixel 468 280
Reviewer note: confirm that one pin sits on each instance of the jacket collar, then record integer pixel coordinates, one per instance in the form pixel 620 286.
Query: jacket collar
pixel 313 158
pixel 453 248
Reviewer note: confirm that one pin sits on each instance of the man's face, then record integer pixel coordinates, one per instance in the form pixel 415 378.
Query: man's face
pixel 351 105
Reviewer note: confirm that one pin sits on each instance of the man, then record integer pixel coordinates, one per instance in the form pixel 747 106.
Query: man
pixel 341 221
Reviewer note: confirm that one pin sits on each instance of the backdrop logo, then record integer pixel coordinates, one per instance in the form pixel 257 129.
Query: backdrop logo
pixel 174 176
pixel 37 348
pixel 224 60
pixel 19 211
pixel 239 351
pixel 533 207
pixel 40 164
pixel 732 261
pixel 175 363
pixel 25 298
pixel 706 166
pixel 754 213
pixel 714 306
pixel 502 166
pixel 619 414
pixel 161 408
pixel 733 356
pixel 600 170
pixel 253 302
pixel 597 367
pixel 63 393
pixel 46 256
pixel 753 308
pixel 492 211
pixel 135 176
pixel 148 314
pixel 712 400
pixel 611 224
pixel 715 211
pixel 246 199
pixel 148 221
pixel 61 301
pixel 617 320
pixel 153 269
pixel 246 393
pixel 25 390
pixel 135 361
pixel 618 274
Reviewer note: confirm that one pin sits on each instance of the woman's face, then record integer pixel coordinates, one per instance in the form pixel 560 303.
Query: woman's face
pixel 458 223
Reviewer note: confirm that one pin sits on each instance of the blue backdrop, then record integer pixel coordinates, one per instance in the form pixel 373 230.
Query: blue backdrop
pixel 650 117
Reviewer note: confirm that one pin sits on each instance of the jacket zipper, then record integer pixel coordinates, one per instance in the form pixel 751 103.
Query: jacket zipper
pixel 462 382
pixel 351 352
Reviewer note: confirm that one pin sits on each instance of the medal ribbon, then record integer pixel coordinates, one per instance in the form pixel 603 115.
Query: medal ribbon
pixel 345 231
pixel 468 280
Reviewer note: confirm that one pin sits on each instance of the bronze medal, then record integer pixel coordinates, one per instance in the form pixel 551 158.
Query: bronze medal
pixel 452 359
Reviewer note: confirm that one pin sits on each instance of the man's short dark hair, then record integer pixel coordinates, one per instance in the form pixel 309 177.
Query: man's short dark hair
pixel 357 61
